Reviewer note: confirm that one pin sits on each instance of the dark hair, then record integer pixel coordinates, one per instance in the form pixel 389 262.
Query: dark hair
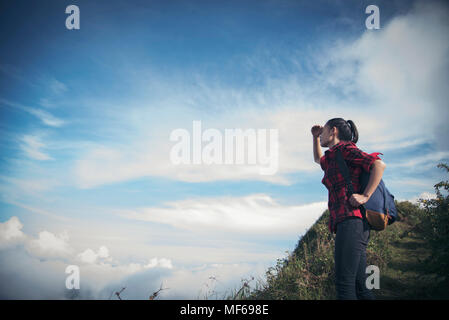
pixel 346 129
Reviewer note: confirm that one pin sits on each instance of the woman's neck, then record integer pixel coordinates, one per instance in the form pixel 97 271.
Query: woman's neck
pixel 334 143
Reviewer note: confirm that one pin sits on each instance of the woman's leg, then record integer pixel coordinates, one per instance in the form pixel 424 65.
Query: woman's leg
pixel 363 293
pixel 350 244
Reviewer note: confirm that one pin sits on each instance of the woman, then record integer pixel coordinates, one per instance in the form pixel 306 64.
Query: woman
pixel 346 220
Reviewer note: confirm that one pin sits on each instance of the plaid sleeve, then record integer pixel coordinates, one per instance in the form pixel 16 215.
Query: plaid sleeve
pixel 323 163
pixel 357 158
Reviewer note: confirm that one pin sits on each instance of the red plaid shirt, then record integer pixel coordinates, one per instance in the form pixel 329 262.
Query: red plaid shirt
pixel 357 160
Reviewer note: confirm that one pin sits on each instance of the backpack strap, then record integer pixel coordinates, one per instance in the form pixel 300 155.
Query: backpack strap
pixel 345 172
pixel 386 207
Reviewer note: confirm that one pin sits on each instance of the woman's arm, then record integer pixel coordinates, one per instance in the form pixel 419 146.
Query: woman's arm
pixel 377 171
pixel 317 153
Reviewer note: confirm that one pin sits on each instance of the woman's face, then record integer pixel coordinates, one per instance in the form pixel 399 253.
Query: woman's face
pixel 326 136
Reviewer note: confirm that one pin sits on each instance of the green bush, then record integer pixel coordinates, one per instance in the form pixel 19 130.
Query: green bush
pixel 436 227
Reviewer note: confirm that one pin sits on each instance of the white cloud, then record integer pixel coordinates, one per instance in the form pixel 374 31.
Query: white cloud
pixel 11 232
pixel 32 147
pixel 51 252
pixel 90 256
pixel 152 263
pixel 252 214
pixel 427 195
pixel 50 245
pixel 103 252
pixel 162 262
pixel 424 195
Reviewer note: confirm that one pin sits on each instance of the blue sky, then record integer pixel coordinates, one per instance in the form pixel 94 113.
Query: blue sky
pixel 86 115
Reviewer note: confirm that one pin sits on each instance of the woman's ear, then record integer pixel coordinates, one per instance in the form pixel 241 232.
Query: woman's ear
pixel 334 131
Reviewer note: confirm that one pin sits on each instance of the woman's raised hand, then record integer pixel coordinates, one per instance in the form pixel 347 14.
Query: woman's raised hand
pixel 316 130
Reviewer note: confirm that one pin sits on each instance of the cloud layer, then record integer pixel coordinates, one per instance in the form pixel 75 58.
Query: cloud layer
pixel 252 214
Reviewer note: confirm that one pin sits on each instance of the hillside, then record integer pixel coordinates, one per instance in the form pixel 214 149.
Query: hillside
pixel 401 253
pixel 412 255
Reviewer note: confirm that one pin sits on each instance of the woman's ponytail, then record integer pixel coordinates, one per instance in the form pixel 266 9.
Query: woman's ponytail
pixel 355 133
pixel 346 129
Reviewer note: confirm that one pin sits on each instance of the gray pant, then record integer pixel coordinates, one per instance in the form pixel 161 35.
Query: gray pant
pixel 350 259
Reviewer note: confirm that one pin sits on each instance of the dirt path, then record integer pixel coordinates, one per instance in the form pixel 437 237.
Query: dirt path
pixel 406 276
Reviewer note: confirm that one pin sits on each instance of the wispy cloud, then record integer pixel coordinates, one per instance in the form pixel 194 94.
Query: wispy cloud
pixel 46 117
pixel 30 185
pixel 57 87
pixel 32 146
pixel 53 215
pixel 425 161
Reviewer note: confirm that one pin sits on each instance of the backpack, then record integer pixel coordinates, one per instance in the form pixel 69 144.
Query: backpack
pixel 380 210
